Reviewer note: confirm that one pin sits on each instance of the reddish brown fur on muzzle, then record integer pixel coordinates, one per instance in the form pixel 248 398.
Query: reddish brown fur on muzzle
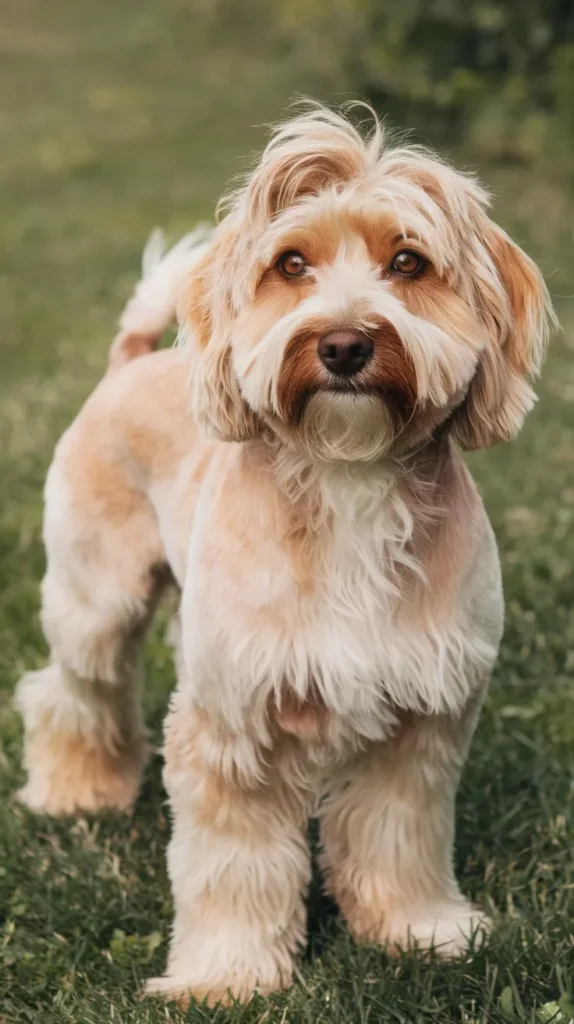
pixel 389 373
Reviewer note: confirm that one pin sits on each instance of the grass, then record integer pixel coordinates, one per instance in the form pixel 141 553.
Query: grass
pixel 115 118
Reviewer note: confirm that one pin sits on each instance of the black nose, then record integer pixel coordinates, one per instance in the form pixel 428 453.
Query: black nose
pixel 344 353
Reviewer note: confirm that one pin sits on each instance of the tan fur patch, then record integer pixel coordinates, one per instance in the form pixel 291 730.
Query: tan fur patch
pixel 128 346
pixel 308 719
pixel 447 537
pixel 248 484
pixel 135 430
pixel 69 775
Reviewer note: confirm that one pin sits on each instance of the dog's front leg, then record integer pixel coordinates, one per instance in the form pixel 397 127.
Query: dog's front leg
pixel 238 860
pixel 388 833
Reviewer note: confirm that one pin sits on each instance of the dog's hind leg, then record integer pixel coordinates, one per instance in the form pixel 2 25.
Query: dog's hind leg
pixel 84 742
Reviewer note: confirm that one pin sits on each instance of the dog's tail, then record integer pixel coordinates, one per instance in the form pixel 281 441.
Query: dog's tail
pixel 153 305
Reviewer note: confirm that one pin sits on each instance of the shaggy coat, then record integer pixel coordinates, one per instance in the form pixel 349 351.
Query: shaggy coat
pixel 355 318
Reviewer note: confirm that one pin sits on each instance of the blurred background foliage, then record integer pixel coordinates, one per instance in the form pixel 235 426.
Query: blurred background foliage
pixel 498 74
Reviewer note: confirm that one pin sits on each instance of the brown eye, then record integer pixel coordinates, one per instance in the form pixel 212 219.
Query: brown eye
pixel 407 263
pixel 292 264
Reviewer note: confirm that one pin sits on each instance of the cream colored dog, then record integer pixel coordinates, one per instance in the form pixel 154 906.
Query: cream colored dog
pixel 354 317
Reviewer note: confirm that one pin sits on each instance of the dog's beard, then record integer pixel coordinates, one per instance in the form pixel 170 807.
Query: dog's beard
pixel 346 427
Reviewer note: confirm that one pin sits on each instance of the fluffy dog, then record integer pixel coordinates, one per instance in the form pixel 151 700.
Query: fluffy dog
pixel 353 320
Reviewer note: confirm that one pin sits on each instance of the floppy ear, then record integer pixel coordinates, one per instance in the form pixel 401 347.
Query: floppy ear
pixel 216 401
pixel 517 311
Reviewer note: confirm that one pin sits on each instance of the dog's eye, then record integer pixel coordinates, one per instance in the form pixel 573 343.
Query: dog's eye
pixel 408 263
pixel 292 264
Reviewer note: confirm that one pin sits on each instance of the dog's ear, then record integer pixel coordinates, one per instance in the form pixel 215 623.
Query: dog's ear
pixel 509 294
pixel 515 305
pixel 208 317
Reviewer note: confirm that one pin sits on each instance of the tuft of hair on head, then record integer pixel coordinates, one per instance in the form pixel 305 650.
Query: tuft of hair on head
pixel 307 152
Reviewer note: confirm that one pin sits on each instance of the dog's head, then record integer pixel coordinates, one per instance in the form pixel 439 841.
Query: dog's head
pixel 357 296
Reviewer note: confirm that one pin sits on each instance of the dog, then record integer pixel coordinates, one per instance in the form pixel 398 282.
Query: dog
pixel 354 320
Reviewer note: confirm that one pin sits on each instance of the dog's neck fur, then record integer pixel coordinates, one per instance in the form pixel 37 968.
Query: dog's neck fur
pixel 375 558
pixel 395 521
pixel 341 496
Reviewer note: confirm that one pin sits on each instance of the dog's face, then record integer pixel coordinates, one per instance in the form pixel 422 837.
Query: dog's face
pixel 355 338
pixel 356 298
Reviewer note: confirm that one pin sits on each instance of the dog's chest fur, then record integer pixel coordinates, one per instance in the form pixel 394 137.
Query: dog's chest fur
pixel 328 603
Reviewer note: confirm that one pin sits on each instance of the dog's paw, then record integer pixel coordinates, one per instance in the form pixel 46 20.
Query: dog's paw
pixel 450 929
pixel 178 991
pixel 174 989
pixel 222 981
pixel 71 778
pixel 65 800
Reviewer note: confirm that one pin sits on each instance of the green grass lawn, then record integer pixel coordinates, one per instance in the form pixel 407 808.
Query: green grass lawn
pixel 113 118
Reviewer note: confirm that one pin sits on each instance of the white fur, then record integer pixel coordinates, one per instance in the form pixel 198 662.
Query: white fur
pixel 359 427
pixel 344 639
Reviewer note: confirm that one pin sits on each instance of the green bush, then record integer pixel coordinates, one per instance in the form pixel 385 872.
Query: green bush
pixel 496 73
